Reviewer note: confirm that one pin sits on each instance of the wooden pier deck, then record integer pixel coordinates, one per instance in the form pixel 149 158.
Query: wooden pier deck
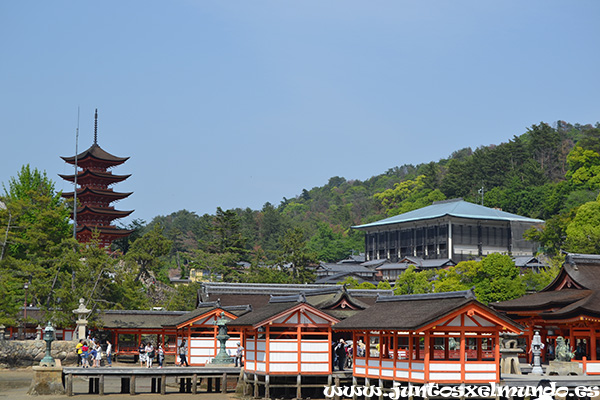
pixel 186 377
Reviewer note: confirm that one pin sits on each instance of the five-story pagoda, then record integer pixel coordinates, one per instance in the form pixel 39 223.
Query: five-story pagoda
pixel 94 195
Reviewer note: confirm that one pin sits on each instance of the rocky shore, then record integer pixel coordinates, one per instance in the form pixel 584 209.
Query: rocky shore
pixel 26 353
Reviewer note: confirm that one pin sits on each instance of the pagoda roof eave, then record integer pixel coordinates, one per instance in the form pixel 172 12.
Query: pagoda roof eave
pixel 100 175
pixel 105 230
pixel 96 152
pixel 98 192
pixel 102 211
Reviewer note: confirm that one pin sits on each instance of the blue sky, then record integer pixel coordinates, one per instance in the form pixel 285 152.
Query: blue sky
pixel 236 103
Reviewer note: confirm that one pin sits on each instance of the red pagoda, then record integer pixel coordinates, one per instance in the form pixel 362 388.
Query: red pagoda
pixel 94 195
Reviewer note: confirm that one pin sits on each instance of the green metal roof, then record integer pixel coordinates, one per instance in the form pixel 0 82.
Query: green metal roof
pixel 454 208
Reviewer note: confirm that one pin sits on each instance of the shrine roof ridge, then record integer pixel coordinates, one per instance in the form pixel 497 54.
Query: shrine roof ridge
pixel 466 294
pixel 293 298
pixel 575 258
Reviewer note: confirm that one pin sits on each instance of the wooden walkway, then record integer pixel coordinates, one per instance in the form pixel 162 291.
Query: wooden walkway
pixel 187 378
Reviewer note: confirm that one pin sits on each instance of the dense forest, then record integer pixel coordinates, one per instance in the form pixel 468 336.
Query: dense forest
pixel 550 172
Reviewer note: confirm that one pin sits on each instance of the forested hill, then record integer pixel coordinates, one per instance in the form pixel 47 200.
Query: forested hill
pixel 549 172
pixel 546 172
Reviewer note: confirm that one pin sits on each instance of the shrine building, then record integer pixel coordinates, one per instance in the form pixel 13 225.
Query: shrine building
pixel 453 230
pixel 436 337
pixel 94 194
pixel 569 307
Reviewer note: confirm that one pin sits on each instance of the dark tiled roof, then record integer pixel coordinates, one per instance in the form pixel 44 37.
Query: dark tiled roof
pixel 374 263
pixel 263 313
pixel 340 276
pixel 258 294
pixel 255 300
pixel 589 305
pixel 321 299
pixel 399 315
pixel 584 269
pixel 542 300
pixel 410 312
pixel 206 308
pixel 138 318
pixel 353 259
pixel 346 268
pixel 393 266
pixel 96 174
pixel 96 151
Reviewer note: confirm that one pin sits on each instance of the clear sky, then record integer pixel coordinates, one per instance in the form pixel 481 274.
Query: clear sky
pixel 236 103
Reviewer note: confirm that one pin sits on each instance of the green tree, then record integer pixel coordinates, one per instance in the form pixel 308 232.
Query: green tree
pixel 583 233
pixel 295 257
pixel 412 281
pixel 39 218
pixel 409 195
pixel 384 285
pixel 494 278
pixel 328 245
pixel 184 297
pixel 218 266
pixel 350 282
pixel 147 252
pixel 137 226
pixel 227 233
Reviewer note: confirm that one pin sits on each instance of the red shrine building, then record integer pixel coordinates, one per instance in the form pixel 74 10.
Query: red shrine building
pixel 94 194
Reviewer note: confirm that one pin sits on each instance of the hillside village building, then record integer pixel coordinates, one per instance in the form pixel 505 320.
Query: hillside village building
pixel 452 230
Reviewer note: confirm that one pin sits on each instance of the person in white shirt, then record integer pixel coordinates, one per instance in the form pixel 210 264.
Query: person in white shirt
pixel 149 355
pixel 109 353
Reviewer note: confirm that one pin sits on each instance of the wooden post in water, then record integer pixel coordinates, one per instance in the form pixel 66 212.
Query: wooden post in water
pixel 163 384
pixel 132 385
pixel 299 387
pixel 256 386
pixel 267 387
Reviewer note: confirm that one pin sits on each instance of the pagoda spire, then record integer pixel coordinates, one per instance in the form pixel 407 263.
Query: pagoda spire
pixel 96 127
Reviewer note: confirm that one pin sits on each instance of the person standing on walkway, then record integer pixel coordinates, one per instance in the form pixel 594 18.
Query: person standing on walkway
pixel 340 351
pixel 98 356
pixel 239 355
pixel 183 354
pixel 78 350
pixel 149 355
pixel 84 356
pixel 161 356
pixel 142 354
pixel 109 353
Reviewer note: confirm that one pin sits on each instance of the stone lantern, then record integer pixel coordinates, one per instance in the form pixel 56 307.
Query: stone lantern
pixel 536 349
pixel 49 337
pixel 222 357
pixel 81 313
pixel 47 378
pixel 2 328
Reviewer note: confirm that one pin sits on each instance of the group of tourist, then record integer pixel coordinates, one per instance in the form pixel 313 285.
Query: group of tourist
pixel 147 353
pixel 91 355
